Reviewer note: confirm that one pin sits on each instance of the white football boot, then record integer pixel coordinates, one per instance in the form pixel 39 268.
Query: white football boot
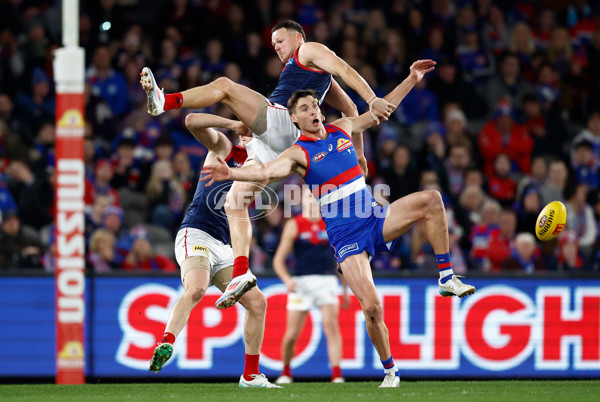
pixel 284 379
pixel 455 287
pixel 236 289
pixel 391 380
pixel 258 381
pixel 338 380
pixel 156 97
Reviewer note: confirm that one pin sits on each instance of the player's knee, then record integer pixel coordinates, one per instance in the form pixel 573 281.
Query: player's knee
pixel 257 305
pixel 195 293
pixel 331 328
pixel 373 311
pixel 433 200
pixel 224 84
pixel 191 121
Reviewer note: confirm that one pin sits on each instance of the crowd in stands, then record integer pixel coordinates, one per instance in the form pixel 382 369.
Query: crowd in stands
pixel 508 121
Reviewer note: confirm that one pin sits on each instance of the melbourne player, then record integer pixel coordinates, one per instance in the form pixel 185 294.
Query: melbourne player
pixel 314 284
pixel 308 65
pixel 325 156
pixel 203 252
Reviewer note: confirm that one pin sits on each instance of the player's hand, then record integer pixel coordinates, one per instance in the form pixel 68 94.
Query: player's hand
pixel 421 67
pixel 218 172
pixel 241 129
pixel 291 285
pixel 362 161
pixel 380 109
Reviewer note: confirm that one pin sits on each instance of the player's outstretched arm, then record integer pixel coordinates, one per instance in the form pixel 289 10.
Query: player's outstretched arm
pixel 320 56
pixel 200 125
pixel 417 71
pixel 286 246
pixel 292 160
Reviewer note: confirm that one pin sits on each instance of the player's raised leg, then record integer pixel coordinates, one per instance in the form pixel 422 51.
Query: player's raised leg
pixel 427 205
pixel 243 101
pixel 239 198
pixel 331 327
pixel 359 277
pixel 196 278
pixel 255 303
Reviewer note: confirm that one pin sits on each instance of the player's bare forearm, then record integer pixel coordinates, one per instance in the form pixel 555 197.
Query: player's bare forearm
pixel 200 125
pixel 400 92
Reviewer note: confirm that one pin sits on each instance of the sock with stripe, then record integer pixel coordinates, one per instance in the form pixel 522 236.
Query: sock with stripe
pixel 167 338
pixel 287 370
pixel 389 366
pixel 444 266
pixel 173 101
pixel 250 366
pixel 240 266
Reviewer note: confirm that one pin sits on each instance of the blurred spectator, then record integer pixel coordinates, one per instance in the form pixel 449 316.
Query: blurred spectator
pixel 522 43
pixel 495 35
pixel 143 257
pixel 560 51
pixel 184 173
pixel 100 184
pixel 450 87
pixel 586 171
pixel 39 104
pixel 536 176
pixel 455 122
pixel 500 241
pixel 482 234
pixel 477 64
pixel 101 254
pixel 433 153
pixel 580 218
pixel 528 208
pixel 165 195
pixel 419 105
pixel 34 196
pixel 17 248
pixel 42 155
pixel 392 54
pixel 7 202
pixel 569 258
pixel 112 220
pixel 468 211
pixel 400 176
pixel 214 63
pixel 554 186
pixel 94 216
pixel 592 134
pixel 107 83
pixel 525 256
pixel 127 168
pixel 544 27
pixel 503 135
pixel 509 84
pixel 11 146
pixel 459 159
pixel 500 185
pixel 535 123
pixel 17 122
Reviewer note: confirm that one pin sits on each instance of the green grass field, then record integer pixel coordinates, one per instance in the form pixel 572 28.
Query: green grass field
pixel 501 390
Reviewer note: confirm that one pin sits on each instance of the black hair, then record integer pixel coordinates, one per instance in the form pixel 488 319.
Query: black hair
pixel 290 25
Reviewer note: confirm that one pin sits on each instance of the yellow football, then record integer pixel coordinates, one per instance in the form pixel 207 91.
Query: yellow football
pixel 551 221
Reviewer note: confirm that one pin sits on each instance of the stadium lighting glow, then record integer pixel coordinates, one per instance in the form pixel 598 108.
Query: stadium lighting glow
pixel 105 26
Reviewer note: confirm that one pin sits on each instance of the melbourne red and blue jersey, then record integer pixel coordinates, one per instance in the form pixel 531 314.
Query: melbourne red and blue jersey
pixel 295 77
pixel 334 176
pixel 206 211
pixel 311 248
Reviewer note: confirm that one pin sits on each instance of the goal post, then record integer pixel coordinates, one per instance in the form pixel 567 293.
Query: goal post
pixel 69 69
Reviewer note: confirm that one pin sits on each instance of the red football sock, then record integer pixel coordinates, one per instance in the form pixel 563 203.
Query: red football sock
pixel 240 266
pixel 336 372
pixel 167 338
pixel 251 366
pixel 173 101
pixel 287 370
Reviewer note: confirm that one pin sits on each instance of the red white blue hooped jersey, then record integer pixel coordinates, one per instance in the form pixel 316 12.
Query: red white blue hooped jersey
pixel 335 178
pixel 295 77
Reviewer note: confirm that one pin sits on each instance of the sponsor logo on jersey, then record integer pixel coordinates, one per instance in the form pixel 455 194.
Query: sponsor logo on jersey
pixel 319 157
pixel 347 248
pixel 343 144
